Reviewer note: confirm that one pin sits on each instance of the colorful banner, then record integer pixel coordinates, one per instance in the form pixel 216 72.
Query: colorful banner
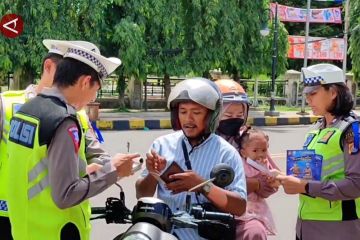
pixel 318 48
pixel 291 14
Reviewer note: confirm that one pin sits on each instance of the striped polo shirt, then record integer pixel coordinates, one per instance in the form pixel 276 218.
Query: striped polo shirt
pixel 203 158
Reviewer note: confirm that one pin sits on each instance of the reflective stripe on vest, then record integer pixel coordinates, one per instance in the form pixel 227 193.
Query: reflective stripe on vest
pixel 11 101
pixel 327 143
pixel 33 213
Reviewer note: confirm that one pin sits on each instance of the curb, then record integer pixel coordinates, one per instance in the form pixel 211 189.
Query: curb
pixel 145 124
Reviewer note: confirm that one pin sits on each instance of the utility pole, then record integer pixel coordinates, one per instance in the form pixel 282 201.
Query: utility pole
pixel 346 30
pixel 272 112
pixel 307 25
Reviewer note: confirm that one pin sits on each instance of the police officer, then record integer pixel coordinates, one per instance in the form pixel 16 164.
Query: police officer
pixel 11 101
pixel 49 187
pixel 329 208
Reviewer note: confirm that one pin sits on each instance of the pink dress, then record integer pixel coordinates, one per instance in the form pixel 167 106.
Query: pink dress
pixel 257 221
pixel 257 208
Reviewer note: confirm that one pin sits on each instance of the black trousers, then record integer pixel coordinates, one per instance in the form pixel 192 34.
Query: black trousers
pixel 5 229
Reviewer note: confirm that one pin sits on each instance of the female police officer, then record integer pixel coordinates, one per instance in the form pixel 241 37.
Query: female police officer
pixel 49 186
pixel 329 208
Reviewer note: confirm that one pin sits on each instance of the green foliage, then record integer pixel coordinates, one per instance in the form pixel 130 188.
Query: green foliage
pixel 354 48
pixel 43 19
pixel 157 37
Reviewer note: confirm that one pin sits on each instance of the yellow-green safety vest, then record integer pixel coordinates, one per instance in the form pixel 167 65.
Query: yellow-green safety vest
pixel 327 143
pixel 11 101
pixel 32 211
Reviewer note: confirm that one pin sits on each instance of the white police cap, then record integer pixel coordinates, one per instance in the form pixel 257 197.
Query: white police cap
pixel 89 54
pixel 320 74
pixel 52 45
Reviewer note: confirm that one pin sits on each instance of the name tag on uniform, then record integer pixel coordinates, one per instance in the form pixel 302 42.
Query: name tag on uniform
pixel 308 140
pixel 22 132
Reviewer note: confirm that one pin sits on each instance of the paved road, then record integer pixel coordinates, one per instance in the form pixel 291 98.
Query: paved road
pixel 283 206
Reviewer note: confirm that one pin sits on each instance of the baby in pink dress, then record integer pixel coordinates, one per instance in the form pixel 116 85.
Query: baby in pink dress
pixel 257 222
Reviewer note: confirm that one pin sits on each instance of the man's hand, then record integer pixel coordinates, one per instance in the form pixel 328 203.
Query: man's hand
pixel 155 162
pixel 184 181
pixel 123 163
pixel 292 185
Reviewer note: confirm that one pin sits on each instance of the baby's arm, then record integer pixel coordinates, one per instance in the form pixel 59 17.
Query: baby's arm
pixel 268 185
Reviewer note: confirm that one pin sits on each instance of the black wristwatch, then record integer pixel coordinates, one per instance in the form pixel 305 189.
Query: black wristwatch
pixel 307 188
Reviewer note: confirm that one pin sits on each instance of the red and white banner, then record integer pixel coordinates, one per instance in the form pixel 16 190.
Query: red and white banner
pixel 318 48
pixel 291 14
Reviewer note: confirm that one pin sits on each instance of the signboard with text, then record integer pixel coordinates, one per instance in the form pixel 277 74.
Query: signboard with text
pixel 291 14
pixel 318 48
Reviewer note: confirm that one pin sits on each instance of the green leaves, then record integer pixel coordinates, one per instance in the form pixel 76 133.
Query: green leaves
pixel 354 48
pixel 70 20
pixel 152 37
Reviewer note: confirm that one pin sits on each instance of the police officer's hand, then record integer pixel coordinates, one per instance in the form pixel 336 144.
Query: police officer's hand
pixel 123 163
pixel 292 185
pixel 155 162
pixel 181 182
pixel 93 167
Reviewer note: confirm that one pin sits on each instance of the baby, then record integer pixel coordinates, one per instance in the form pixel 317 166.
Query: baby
pixel 254 146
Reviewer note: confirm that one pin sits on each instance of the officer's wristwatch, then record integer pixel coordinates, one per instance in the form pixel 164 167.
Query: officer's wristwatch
pixel 207 188
pixel 307 188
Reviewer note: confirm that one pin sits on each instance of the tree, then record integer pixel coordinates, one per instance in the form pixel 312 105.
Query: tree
pixel 354 48
pixel 45 19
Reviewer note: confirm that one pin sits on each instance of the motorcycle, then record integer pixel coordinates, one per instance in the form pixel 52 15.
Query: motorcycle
pixel 151 218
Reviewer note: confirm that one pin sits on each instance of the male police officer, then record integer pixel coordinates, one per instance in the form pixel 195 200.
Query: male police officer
pixel 49 190
pixel 11 101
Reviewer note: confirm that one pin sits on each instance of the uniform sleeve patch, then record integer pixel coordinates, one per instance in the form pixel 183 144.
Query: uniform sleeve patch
pixel 352 138
pixel 73 131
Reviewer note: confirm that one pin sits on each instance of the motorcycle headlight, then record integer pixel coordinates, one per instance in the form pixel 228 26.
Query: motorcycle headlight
pixel 136 236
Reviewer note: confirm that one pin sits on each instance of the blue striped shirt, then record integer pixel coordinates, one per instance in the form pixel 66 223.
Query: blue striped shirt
pixel 203 158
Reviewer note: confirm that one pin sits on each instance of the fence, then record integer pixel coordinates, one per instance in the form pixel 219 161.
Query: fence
pixel 258 90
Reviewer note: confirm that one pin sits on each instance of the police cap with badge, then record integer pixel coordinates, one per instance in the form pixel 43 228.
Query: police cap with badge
pixel 85 52
pixel 321 74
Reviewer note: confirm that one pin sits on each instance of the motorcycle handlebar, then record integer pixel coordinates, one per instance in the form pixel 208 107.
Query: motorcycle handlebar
pixel 202 214
pixel 98 210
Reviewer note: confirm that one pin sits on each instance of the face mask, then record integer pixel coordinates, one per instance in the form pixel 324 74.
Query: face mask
pixel 231 126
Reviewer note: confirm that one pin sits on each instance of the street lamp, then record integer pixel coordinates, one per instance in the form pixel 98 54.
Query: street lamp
pixel 265 32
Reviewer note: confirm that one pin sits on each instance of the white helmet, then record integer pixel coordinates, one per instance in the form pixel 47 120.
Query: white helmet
pixel 201 91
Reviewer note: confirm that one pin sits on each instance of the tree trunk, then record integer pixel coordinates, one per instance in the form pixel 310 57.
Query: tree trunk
pixel 236 76
pixel 135 93
pixel 206 74
pixel 22 78
pixel 121 86
pixel 167 86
